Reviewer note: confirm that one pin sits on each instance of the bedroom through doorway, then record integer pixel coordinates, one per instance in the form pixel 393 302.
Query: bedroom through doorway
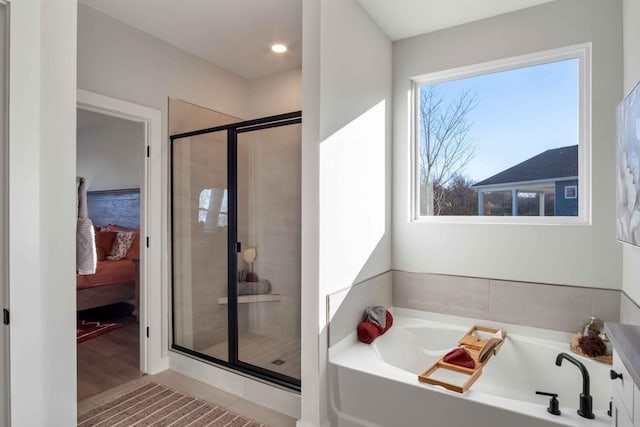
pixel 110 153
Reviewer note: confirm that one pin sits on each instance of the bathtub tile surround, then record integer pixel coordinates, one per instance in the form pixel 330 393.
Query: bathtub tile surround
pixel 522 303
pixel 541 306
pixel 556 307
pixel 345 307
pixel 605 303
pixel 458 296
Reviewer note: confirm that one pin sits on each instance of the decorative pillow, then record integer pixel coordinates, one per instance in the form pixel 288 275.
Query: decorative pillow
pixel 104 243
pixel 134 250
pixel 121 244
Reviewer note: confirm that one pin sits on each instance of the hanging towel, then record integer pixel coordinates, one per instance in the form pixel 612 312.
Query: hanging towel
pixel 86 257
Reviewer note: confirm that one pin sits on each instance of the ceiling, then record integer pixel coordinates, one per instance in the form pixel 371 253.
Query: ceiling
pixel 234 34
pixel 400 19
pixel 237 34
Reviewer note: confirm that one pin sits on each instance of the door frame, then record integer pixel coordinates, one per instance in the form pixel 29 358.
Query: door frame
pixel 5 354
pixel 153 303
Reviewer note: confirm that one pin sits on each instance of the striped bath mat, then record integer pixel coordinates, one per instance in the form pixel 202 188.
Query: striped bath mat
pixel 155 405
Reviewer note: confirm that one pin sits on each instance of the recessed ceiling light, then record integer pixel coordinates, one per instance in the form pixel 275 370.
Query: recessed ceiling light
pixel 279 48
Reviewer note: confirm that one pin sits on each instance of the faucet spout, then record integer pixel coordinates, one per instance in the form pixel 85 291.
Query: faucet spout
pixel 583 370
pixel 586 408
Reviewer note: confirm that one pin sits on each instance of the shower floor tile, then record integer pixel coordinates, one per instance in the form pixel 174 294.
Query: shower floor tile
pixel 275 354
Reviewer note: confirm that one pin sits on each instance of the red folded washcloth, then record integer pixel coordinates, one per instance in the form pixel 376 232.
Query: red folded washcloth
pixel 461 357
pixel 368 331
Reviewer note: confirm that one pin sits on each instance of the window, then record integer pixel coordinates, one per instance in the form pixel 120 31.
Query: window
pixel 203 205
pixel 502 139
pixel 213 208
pixel 571 192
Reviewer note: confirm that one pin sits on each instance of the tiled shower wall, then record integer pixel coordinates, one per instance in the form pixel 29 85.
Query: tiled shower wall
pixel 273 223
pixel 558 307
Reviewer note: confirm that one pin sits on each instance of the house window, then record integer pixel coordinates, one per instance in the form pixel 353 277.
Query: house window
pixel 571 192
pixel 501 139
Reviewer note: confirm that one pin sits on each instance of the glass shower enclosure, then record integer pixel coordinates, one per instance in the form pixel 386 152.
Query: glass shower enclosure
pixel 235 207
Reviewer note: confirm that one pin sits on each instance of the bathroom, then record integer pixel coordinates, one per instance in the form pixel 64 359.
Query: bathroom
pixel 361 241
pixel 371 250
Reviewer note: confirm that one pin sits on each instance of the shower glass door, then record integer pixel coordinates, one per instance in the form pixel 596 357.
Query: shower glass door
pixel 200 243
pixel 268 189
pixel 236 246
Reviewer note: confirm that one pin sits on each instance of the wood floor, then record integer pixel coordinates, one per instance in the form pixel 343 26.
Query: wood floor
pixel 111 359
pixel 270 353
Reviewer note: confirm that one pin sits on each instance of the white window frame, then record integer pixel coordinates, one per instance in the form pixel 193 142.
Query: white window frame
pixel 582 52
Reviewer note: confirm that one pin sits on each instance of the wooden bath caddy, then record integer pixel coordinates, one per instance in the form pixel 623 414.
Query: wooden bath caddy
pixel 475 346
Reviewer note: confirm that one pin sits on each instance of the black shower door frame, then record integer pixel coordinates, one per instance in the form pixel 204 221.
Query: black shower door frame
pixel 233 246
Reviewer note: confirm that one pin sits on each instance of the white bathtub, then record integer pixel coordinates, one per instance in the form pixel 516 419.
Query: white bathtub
pixel 377 384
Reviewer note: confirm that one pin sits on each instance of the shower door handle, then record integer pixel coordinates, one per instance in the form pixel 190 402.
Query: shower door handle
pixel 238 247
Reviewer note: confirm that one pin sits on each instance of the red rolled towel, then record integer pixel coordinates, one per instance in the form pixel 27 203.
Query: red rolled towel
pixel 461 357
pixel 389 322
pixel 369 331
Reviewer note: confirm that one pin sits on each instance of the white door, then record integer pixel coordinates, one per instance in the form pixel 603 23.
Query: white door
pixel 4 285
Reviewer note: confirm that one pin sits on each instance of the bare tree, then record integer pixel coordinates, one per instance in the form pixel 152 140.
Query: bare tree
pixel 445 145
pixel 459 197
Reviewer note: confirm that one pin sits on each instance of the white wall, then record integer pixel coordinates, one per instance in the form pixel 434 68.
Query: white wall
pixel 347 70
pixel 586 255
pixel 631 254
pixel 312 410
pixel 110 155
pixel 42 212
pixel 275 94
pixel 117 60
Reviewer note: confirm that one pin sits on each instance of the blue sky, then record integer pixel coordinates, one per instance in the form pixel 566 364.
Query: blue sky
pixel 519 113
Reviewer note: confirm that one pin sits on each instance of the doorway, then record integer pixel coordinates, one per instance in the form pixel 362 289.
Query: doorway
pixel 236 246
pixel 110 155
pixel 150 309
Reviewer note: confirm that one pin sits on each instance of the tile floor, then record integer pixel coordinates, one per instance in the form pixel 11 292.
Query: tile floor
pixel 263 351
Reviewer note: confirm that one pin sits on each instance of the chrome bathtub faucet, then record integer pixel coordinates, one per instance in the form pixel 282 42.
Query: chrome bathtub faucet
pixel 586 401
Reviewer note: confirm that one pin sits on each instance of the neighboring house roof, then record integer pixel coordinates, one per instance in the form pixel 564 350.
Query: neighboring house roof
pixel 556 163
